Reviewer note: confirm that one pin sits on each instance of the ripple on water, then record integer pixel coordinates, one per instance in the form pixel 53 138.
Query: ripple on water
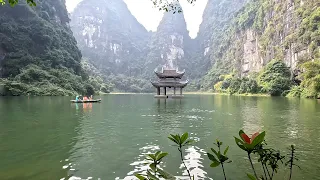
pixel 140 164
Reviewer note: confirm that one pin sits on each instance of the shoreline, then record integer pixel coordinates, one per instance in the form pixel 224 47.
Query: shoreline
pixel 198 93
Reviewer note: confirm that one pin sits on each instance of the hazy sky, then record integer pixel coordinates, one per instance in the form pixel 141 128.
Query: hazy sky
pixel 150 17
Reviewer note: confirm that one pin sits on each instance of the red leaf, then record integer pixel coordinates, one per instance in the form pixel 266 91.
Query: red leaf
pixel 245 138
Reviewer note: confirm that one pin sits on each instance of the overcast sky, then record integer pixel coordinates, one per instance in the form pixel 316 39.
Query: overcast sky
pixel 150 17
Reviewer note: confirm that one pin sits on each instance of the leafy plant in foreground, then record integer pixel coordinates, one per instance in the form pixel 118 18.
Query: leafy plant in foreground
pixel 219 158
pixel 182 141
pixel 290 162
pixel 249 144
pixel 268 157
pixel 154 173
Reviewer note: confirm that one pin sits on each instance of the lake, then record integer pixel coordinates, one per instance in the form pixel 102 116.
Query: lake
pixel 50 138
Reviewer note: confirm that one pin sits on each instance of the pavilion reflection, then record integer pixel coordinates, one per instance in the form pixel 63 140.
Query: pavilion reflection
pixel 169 106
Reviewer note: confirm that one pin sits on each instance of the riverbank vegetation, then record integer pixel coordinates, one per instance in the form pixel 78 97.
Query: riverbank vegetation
pixel 38 53
pixel 275 80
pixel 258 153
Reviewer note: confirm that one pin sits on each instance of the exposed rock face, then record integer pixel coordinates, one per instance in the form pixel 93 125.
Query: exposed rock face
pixel 251 58
pixel 260 31
pixel 116 44
pixel 216 18
pixel 169 45
pixel 110 36
pixel 280 36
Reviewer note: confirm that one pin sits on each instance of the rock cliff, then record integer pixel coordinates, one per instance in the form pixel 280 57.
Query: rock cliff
pixel 260 31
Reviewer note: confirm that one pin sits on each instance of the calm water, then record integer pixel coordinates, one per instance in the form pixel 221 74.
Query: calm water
pixel 50 138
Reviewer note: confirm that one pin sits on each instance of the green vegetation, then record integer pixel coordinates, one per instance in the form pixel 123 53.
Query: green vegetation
pixel 38 53
pixel 277 38
pixel 310 81
pixel 275 78
pixel 269 159
pixel 15 2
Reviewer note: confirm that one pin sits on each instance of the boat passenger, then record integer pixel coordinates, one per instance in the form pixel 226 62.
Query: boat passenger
pixel 90 98
pixel 77 98
pixel 85 98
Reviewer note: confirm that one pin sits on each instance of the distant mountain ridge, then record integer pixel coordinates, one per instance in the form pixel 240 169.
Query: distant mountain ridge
pixel 116 44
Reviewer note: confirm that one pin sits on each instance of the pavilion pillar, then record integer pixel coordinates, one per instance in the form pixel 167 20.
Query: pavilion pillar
pixel 165 90
pixel 158 91
pixel 174 90
pixel 181 91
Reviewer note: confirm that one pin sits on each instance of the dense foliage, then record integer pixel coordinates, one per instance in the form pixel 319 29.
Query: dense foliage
pixel 310 81
pixel 38 53
pixel 257 33
pixel 274 79
pixel 14 2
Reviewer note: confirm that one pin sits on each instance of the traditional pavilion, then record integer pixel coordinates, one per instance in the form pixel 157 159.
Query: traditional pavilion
pixel 169 78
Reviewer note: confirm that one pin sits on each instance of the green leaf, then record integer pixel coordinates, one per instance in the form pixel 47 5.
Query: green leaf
pixel 153 166
pixel 223 158
pixel 258 140
pixel 172 139
pixel 140 177
pixel 240 144
pixel 241 132
pixel 226 150
pixel 251 177
pixel 188 142
pixel 212 158
pixel 215 152
pixel 152 156
pixel 184 137
pixel 162 155
pixel 151 175
pixel 157 153
pixel 166 175
pixel 178 138
pixel 214 164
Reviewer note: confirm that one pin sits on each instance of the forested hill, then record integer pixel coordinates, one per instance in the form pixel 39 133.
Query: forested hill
pixel 266 46
pixel 38 53
pixel 243 46
pixel 119 50
pixel 247 46
pixel 113 43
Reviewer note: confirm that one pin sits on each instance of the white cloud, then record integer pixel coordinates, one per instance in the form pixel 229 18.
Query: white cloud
pixel 150 17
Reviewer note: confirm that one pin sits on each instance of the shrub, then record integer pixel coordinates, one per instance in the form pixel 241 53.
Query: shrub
pixel 275 78
pixel 310 79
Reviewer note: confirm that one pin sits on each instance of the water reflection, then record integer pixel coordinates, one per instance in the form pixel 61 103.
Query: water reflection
pixel 140 164
pixel 49 137
pixel 173 106
pixel 193 160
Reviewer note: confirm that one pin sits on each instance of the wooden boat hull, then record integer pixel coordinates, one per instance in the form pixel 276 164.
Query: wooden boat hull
pixel 89 101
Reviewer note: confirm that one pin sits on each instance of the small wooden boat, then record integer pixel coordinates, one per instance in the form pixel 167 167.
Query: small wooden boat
pixel 88 101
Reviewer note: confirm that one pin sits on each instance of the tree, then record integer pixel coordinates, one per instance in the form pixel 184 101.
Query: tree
pixel 14 2
pixel 163 5
pixel 275 78
pixel 170 6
